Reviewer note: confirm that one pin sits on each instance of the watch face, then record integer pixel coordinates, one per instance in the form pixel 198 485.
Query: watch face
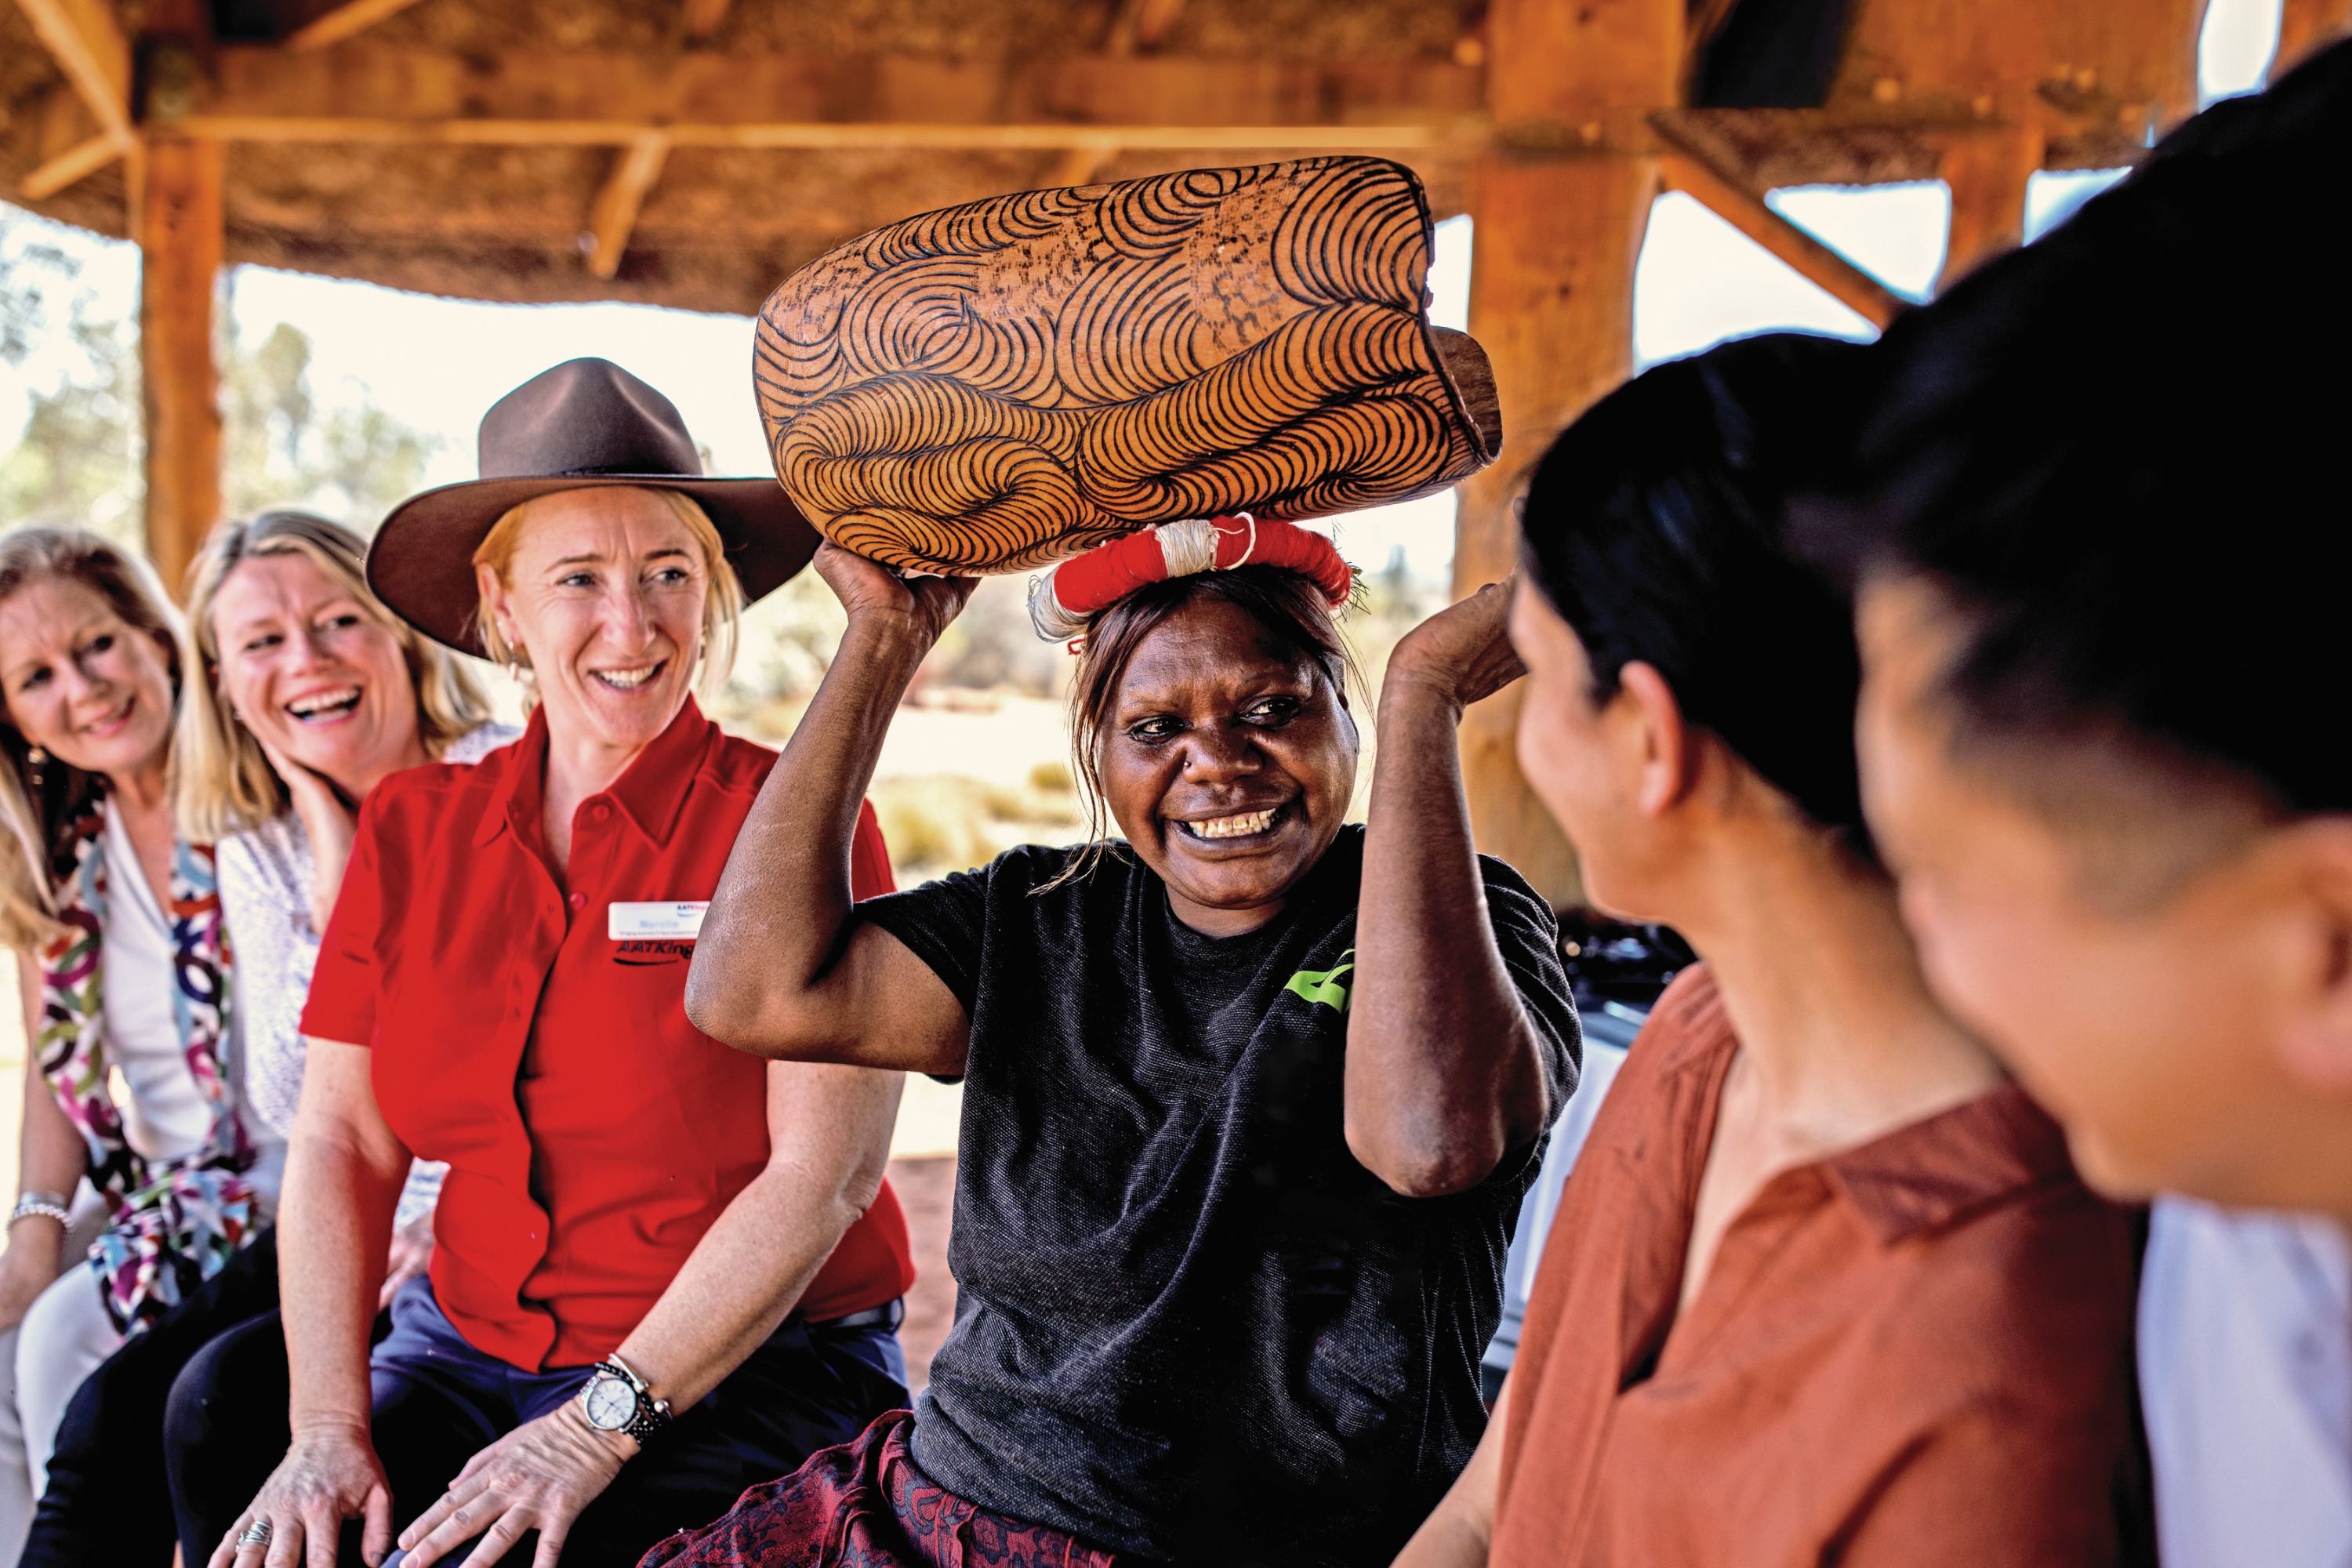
pixel 609 1403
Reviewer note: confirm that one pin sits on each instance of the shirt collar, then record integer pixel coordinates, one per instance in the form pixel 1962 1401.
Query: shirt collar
pixel 1917 1178
pixel 1957 1162
pixel 651 791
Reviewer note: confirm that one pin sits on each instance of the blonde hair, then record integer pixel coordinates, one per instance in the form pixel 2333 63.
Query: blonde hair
pixel 722 608
pixel 222 783
pixel 40 806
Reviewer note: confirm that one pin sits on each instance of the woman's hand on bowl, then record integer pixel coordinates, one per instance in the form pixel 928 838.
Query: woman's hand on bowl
pixel 329 1474
pixel 869 590
pixel 541 1476
pixel 1463 653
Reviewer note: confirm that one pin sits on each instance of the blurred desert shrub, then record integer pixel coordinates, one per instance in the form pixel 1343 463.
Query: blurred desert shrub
pixel 78 459
pixel 1390 603
pixel 790 638
pixel 938 823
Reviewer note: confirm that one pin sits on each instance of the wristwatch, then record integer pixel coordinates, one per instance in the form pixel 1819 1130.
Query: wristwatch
pixel 616 1399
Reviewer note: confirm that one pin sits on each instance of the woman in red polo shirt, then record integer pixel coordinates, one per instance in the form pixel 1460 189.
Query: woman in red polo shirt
pixel 663 1270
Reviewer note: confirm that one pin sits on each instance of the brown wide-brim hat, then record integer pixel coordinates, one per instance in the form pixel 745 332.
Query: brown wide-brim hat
pixel 585 424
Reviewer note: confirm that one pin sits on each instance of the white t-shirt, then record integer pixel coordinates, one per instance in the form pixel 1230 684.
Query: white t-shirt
pixel 166 1117
pixel 2245 1370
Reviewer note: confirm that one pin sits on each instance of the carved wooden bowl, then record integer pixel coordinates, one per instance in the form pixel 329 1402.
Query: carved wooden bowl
pixel 996 386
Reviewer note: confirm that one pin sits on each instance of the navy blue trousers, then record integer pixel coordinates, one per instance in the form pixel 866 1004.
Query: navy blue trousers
pixel 439 1401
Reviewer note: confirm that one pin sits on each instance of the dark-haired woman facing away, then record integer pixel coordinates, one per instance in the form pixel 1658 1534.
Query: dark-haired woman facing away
pixel 1250 1100
pixel 1824 1287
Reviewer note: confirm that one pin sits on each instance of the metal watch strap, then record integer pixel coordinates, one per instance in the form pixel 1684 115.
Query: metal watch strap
pixel 651 1415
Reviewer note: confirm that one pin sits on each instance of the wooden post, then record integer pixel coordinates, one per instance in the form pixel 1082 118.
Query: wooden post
pixel 180 244
pixel 2306 25
pixel 1988 171
pixel 1559 227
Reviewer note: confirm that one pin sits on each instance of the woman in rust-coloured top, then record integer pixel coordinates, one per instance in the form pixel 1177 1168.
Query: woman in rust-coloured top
pixel 1824 1287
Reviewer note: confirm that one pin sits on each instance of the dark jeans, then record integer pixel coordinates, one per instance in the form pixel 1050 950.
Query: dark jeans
pixel 439 1401
pixel 106 1499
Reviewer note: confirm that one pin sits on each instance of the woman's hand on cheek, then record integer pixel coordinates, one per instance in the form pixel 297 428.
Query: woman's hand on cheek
pixel 1463 652
pixel 867 589
pixel 313 795
pixel 538 1477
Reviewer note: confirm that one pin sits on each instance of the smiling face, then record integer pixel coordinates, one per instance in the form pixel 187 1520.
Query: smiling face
pixel 1228 761
pixel 312 671
pixel 2161 965
pixel 82 683
pixel 604 595
pixel 1607 772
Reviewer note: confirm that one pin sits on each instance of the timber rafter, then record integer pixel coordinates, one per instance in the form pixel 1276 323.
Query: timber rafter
pixel 1090 105
pixel 89 48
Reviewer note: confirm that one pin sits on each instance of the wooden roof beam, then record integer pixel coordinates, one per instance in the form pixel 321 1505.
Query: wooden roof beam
pixel 614 211
pixel 351 18
pixel 1746 210
pixel 1988 174
pixel 370 81
pixel 54 174
pixel 822 135
pixel 89 46
pixel 2305 26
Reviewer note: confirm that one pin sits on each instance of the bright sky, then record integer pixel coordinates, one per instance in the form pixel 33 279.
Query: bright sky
pixel 438 363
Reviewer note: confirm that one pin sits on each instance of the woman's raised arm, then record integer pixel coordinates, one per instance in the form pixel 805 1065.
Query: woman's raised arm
pixel 778 969
pixel 1445 1072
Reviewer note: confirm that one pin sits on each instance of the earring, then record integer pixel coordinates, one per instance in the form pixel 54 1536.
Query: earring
pixel 34 758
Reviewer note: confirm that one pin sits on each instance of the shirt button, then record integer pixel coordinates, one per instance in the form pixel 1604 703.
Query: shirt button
pixel 599 809
pixel 579 901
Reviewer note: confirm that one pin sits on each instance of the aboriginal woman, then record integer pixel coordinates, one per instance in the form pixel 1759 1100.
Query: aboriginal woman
pixel 1250 1097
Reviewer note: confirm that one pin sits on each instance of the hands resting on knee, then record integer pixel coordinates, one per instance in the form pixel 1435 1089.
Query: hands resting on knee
pixel 541 1477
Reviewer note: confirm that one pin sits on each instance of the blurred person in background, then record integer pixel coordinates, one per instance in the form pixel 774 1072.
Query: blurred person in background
pixel 1823 1286
pixel 2105 748
pixel 125 968
pixel 312 692
pixel 662 1270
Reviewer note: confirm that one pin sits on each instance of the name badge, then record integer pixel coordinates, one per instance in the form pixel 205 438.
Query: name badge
pixel 681 920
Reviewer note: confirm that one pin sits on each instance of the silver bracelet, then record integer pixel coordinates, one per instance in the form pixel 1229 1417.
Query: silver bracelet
pixel 48 1206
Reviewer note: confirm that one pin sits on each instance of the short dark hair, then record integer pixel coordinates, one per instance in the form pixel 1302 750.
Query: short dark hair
pixel 2115 453
pixel 1654 525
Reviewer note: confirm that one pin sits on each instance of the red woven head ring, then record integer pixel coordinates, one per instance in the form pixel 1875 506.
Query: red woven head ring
pixel 1002 384
pixel 1064 601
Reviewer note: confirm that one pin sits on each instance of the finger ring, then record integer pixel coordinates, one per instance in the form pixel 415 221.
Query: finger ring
pixel 256 1535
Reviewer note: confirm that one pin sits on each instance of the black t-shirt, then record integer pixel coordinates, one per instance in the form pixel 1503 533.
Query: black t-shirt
pixel 1189 1325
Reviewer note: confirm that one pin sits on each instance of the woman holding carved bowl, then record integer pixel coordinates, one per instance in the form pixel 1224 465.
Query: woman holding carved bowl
pixel 1249 1098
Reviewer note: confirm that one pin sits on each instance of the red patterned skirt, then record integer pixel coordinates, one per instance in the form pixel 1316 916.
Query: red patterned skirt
pixel 865 1505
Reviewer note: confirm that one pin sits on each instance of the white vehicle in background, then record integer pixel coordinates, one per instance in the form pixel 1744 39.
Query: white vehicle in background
pixel 1617 972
